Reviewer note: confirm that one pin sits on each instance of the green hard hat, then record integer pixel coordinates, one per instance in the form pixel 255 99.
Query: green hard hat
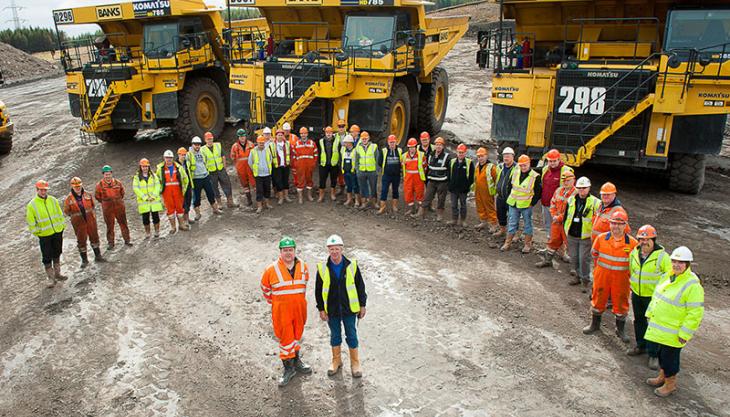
pixel 287 242
pixel 241 132
pixel 106 168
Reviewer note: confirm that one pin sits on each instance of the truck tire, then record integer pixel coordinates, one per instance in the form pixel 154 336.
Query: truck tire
pixel 117 135
pixel 687 173
pixel 433 100
pixel 201 109
pixel 397 115
pixel 6 145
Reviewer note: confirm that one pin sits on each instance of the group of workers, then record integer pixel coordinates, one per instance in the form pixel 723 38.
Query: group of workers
pixel 591 234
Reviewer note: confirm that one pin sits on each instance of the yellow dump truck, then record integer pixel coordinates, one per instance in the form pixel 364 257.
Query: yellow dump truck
pixel 632 83
pixel 373 63
pixel 157 64
pixel 6 126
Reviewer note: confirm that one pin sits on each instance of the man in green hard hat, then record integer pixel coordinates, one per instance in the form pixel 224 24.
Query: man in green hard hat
pixel 284 284
pixel 110 193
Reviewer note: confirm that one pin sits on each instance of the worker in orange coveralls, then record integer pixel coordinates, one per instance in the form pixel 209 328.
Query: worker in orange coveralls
pixel 304 155
pixel 110 193
pixel 611 274
pixel 239 154
pixel 79 206
pixel 414 177
pixel 175 183
pixel 284 284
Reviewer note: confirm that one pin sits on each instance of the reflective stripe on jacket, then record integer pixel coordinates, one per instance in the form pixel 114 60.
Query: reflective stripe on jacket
pixel 413 165
pixel 522 192
pixel 335 160
pixel 278 285
pixel 646 276
pixel 44 216
pixel 213 158
pixel 184 180
pixel 365 158
pixel 148 193
pixel 324 273
pixel 676 309
pixel 591 206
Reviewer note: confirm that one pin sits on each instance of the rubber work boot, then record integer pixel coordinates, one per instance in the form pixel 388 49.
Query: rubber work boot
pixel 259 207
pixel 394 205
pixel 289 372
pixel 173 225
pixel 147 231
pixel 348 201
pixel 635 351
pixel 187 218
pixel 501 231
pixel 507 242
pixel 183 223
pixel 527 248
pixel 481 225
pixel 357 201
pixel 157 230
pixel 249 200
pixel 382 208
pixel 309 194
pixel 97 255
pixel 300 366
pixel 333 194
pixel 670 385
pixel 355 363
pixel 421 212
pixel 439 215
pixel 336 361
pixel 197 214
pixel 653 363
pixel 321 195
pixel 286 196
pixel 216 208
pixel 300 195
pixel 595 324
pixel 231 203
pixel 84 259
pixel 51 277
pixel 621 329
pixel 547 259
pixel 267 204
pixel 57 270
pixel 658 381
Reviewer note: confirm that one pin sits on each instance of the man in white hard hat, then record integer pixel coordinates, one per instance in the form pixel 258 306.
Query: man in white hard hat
pixel 341 298
pixel 201 178
pixel 347 160
pixel 578 224
pixel 174 182
pixel 504 188
pixel 292 139
pixel 267 135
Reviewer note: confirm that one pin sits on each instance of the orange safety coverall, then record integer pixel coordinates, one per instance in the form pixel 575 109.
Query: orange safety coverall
pixel 293 139
pixel 111 197
pixel 601 223
pixel 287 296
pixel 239 154
pixel 483 198
pixel 412 182
pixel 611 273
pixel 304 154
pixel 558 205
pixel 84 224
pixel 172 194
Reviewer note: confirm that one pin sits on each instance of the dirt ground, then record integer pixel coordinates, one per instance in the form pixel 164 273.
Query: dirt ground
pixel 178 326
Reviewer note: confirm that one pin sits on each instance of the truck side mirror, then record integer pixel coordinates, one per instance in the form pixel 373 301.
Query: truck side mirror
pixel 673 61
pixel 185 43
pixel 384 49
pixel 420 39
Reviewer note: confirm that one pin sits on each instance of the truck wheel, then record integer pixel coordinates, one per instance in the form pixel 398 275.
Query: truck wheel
pixel 397 116
pixel 117 135
pixel 6 144
pixel 687 173
pixel 433 100
pixel 201 110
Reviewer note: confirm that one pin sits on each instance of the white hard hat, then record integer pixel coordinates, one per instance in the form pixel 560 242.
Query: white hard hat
pixel 348 139
pixel 267 130
pixel 196 139
pixel 286 126
pixel 334 240
pixel 682 253
pixel 168 154
pixel 508 150
pixel 583 182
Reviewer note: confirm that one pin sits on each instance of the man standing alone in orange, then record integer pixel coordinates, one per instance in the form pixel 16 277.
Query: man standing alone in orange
pixel 284 285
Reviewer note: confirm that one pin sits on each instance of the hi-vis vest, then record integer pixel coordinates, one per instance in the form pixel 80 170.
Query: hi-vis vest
pixel 676 309
pixel 335 160
pixel 255 160
pixel 563 170
pixel 146 189
pixel 592 204
pixel 646 276
pixel 347 157
pixel 214 158
pixel 279 289
pixel 275 154
pixel 352 297
pixel 491 183
pixel 385 156
pixel 407 160
pixel 522 192
pixel 182 176
pixel 44 216
pixel 467 162
pixel 366 157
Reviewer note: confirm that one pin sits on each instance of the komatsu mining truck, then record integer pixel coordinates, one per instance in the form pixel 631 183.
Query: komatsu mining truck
pixel 639 83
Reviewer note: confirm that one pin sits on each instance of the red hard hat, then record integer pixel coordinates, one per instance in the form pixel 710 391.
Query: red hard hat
pixel 425 135
pixel 42 185
pixel 553 155
pixel 412 142
pixel 392 139
pixel 461 148
pixel 646 231
pixel 208 135
pixel 608 188
pixel 619 216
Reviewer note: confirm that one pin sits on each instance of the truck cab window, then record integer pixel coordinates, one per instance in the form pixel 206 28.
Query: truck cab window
pixel 161 40
pixel 368 32
pixel 698 29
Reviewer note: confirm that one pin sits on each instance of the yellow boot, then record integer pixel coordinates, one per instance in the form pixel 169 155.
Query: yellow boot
pixel 336 360
pixel 355 363
pixel 670 385
pixel 658 381
pixel 382 207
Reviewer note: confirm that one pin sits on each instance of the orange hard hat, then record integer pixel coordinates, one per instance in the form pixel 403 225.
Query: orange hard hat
pixel 619 216
pixel 439 141
pixel 646 231
pixel 523 159
pixel 425 135
pixel 412 142
pixel 482 152
pixel 328 129
pixel 260 139
pixel 182 151
pixel 553 155
pixel 208 135
pixel 461 148
pixel 144 162
pixel 76 181
pixel 341 123
pixel 42 185
pixel 303 130
pixel 354 128
pixel 392 139
pixel 365 135
pixel 608 188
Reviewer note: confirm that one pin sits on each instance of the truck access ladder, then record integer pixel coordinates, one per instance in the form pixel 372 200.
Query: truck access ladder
pixel 101 120
pixel 300 105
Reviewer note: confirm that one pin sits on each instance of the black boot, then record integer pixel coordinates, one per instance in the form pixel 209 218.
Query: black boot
pixel 621 329
pixel 595 324
pixel 84 259
pixel 289 372
pixel 301 367
pixel 97 255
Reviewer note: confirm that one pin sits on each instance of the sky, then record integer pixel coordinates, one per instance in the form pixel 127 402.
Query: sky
pixel 38 12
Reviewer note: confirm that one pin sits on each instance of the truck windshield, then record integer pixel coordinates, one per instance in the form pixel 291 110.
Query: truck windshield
pixel 700 29
pixel 366 31
pixel 160 40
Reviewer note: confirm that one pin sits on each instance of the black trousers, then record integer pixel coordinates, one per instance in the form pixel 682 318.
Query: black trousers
pixel 155 217
pixel 502 209
pixel 328 171
pixel 640 304
pixel 263 188
pixel 51 247
pixel 458 205
pixel 280 176
pixel 669 359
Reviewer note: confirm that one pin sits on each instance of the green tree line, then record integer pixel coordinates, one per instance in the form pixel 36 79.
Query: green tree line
pixel 37 39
